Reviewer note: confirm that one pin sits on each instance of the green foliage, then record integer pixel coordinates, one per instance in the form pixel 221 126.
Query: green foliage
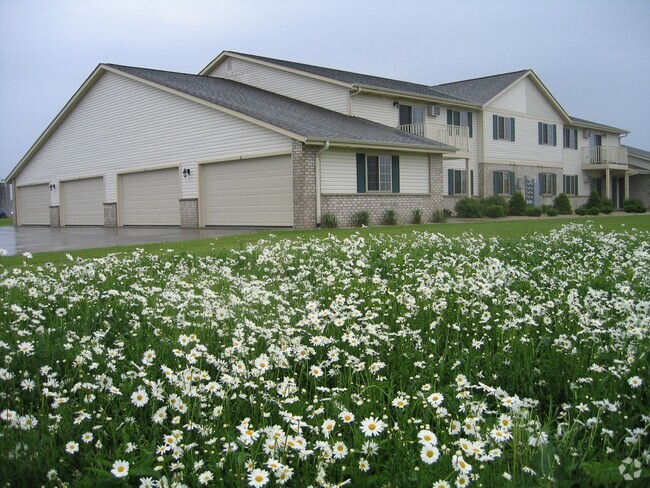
pixel 563 204
pixel 606 206
pixel 594 200
pixel 439 217
pixel 417 216
pixel 494 211
pixel 532 211
pixel 390 217
pixel 593 210
pixel 360 218
pixel 328 221
pixel 469 208
pixel 634 205
pixel 582 210
pixel 517 204
pixel 552 212
pixel 496 200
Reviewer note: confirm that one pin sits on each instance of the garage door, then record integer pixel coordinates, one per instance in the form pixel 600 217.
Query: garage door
pixel 82 202
pixel 248 192
pixel 33 205
pixel 150 198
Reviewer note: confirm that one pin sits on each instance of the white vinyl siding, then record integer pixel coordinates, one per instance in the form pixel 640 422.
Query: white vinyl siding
pixel 377 109
pixel 256 192
pixel 150 198
pixel 122 124
pixel 414 174
pixel 82 202
pixel 459 165
pixel 525 98
pixel 300 87
pixel 33 205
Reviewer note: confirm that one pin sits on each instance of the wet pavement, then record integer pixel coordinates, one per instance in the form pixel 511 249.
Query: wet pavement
pixel 17 240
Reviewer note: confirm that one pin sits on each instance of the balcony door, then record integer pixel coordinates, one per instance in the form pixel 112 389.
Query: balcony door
pixel 414 116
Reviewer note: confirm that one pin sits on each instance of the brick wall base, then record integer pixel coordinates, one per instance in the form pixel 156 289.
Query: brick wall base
pixel 55 216
pixel 189 213
pixel 110 215
pixel 640 188
pixel 303 160
pixel 521 173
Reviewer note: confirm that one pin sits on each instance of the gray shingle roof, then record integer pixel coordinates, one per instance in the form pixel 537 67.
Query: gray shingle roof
pixel 480 90
pixel 638 152
pixel 596 125
pixel 361 79
pixel 301 118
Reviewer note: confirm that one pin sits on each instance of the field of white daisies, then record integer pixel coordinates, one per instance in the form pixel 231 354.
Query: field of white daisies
pixel 402 361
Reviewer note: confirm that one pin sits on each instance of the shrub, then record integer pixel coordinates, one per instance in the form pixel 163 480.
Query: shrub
pixel 546 207
pixel 594 200
pixel 606 206
pixel 390 217
pixel 447 212
pixel 552 212
pixel 495 200
pixel 439 216
pixel 562 204
pixel 469 208
pixel 634 205
pixel 417 216
pixel 593 210
pixel 328 221
pixel 517 204
pixel 532 211
pixel 360 218
pixel 495 211
pixel 581 210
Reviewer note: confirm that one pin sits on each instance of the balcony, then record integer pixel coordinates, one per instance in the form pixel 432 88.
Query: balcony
pixel 604 157
pixel 452 135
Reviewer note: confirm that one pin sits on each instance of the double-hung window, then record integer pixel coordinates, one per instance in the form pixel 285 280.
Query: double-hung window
pixel 457 182
pixel 503 128
pixel 504 182
pixel 570 138
pixel 547 184
pixel 547 134
pixel 460 119
pixel 571 184
pixel 377 173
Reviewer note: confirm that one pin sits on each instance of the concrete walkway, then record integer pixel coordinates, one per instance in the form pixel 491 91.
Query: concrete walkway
pixel 17 240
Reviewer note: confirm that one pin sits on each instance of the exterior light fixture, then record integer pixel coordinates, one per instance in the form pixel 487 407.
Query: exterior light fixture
pixel 52 187
pixel 186 172
pixel 395 103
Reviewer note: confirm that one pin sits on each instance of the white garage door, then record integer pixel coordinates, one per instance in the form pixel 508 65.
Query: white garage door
pixel 248 192
pixel 33 205
pixel 150 198
pixel 82 201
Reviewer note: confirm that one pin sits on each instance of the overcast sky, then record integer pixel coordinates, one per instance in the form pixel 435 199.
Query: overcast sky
pixel 593 55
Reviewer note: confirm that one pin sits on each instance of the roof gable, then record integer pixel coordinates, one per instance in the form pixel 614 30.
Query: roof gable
pixel 481 90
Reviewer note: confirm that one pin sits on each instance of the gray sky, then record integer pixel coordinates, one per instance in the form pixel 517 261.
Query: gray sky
pixel 593 55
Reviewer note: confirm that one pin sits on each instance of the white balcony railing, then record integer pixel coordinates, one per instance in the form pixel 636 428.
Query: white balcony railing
pixel 452 135
pixel 604 155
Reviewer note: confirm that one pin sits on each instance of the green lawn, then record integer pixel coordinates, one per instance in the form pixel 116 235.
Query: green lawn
pixel 6 221
pixel 486 228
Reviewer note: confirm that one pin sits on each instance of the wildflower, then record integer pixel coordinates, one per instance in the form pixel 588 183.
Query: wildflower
pixel 460 464
pixel 316 372
pixel 328 427
pixel 441 484
pixel 258 478
pixel 71 447
pixel 148 483
pixel 205 477
pixel 120 469
pixel 87 437
pixel 339 450
pixel 369 448
pixel 346 416
pixel 371 426
pixel 635 382
pixel 427 438
pixel 27 348
pixel 364 465
pixel 429 454
pixel 435 399
pixel 462 480
pixel 139 398
pixel 400 402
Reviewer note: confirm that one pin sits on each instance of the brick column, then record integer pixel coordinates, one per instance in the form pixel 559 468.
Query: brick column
pixel 110 215
pixel 435 181
pixel 303 160
pixel 55 216
pixel 189 213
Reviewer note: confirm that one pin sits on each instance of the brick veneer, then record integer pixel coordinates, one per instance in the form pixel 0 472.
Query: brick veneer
pixel 303 159
pixel 521 172
pixel 189 212
pixel 640 188
pixel 55 216
pixel 110 215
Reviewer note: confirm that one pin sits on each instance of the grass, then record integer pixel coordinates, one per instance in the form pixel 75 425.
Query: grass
pixel 509 229
pixel 6 221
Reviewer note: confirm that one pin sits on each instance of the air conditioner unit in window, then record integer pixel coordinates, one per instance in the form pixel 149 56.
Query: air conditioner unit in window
pixel 434 110
pixel 586 133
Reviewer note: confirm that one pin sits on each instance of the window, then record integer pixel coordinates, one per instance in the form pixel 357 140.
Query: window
pixel 377 173
pixel 457 182
pixel 571 184
pixel 411 114
pixel 547 134
pixel 570 138
pixel 503 128
pixel 460 119
pixel 504 182
pixel 547 184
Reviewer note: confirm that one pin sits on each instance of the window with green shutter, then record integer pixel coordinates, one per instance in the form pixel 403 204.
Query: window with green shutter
pixel 503 128
pixel 547 134
pixel 503 182
pixel 570 184
pixel 570 138
pixel 457 182
pixel 377 173
pixel 547 184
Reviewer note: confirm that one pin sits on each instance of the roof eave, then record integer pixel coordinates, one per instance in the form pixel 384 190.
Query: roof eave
pixel 416 96
pixel 355 143
pixel 595 126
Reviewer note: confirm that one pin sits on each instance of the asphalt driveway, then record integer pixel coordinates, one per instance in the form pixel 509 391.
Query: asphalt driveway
pixel 17 240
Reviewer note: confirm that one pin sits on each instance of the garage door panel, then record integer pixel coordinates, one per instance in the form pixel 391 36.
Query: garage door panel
pixel 248 192
pixel 150 197
pixel 33 205
pixel 82 201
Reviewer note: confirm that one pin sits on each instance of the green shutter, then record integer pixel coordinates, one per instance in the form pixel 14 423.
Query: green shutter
pixel 554 184
pixel 450 116
pixel 542 182
pixel 512 182
pixel 469 122
pixel 395 173
pixel 361 173
pixel 497 182
pixel 540 129
pixel 495 127
pixel 471 182
pixel 554 135
pixel 512 128
pixel 565 186
pixel 450 182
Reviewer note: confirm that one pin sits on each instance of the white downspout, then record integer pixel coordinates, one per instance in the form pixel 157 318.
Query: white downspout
pixel 318 154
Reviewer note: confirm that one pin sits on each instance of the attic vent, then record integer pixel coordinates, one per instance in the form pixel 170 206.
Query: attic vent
pixel 586 134
pixel 434 110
